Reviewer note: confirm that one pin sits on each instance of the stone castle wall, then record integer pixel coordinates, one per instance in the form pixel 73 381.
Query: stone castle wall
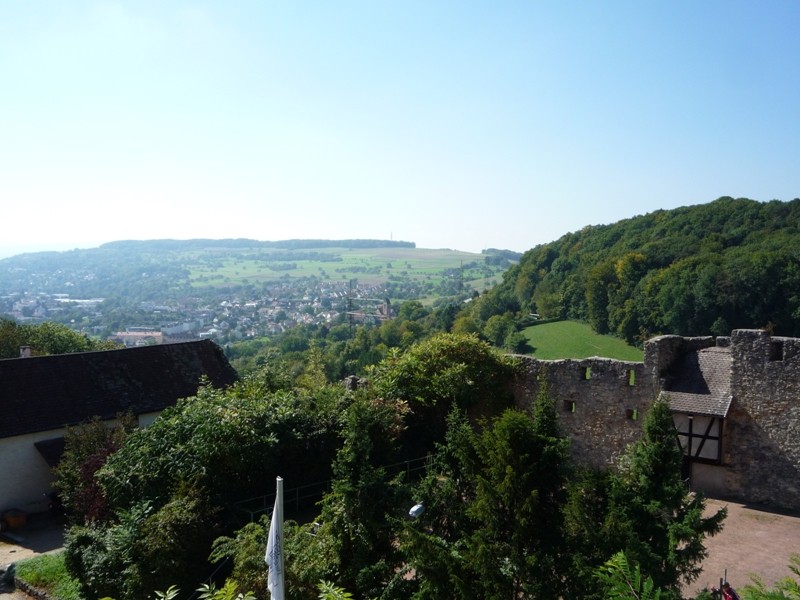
pixel 660 352
pixel 601 404
pixel 762 449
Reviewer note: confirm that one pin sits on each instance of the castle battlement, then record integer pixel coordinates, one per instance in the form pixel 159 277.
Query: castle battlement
pixel 735 400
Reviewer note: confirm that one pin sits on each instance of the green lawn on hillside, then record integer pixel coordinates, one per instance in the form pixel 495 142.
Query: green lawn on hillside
pixel 569 339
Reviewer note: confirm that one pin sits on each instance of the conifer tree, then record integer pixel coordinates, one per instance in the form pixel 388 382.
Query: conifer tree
pixel 493 524
pixel 654 517
pixel 356 514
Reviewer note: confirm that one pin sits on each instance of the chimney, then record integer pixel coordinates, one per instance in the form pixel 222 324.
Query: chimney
pixel 24 351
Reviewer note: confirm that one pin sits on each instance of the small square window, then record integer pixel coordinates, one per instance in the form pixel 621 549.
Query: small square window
pixel 776 350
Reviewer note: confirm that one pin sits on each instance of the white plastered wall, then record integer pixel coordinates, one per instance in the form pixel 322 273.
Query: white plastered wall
pixel 25 476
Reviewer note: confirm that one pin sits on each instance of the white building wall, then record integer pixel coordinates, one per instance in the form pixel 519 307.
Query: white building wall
pixel 146 419
pixel 25 477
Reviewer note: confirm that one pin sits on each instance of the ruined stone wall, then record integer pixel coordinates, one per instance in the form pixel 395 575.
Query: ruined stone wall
pixel 600 402
pixel 660 352
pixel 762 443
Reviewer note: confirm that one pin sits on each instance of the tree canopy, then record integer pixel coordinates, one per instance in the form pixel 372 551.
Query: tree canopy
pixel 45 338
pixel 506 514
pixel 695 270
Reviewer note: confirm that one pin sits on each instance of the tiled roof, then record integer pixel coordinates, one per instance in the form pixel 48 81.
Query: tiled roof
pixel 700 382
pixel 49 392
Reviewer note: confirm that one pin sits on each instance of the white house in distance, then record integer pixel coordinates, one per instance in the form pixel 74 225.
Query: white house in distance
pixel 41 396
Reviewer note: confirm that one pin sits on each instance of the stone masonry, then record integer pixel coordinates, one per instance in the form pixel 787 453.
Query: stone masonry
pixel 601 404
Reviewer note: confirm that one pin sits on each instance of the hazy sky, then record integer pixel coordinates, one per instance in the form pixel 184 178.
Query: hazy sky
pixel 463 125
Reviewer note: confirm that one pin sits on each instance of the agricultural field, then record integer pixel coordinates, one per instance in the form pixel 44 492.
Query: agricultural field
pixel 368 265
pixel 570 339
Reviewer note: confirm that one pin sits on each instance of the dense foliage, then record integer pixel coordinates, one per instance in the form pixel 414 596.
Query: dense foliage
pixel 660 526
pixel 170 489
pixel 342 349
pixel 505 516
pixel 697 270
pixel 157 500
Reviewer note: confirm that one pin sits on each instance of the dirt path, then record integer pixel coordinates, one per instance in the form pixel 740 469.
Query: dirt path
pixel 752 541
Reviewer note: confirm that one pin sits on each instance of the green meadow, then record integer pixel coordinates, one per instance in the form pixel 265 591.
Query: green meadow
pixel 570 339
pixel 368 265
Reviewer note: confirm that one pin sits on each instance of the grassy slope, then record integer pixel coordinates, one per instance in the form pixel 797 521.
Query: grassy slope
pixel 568 339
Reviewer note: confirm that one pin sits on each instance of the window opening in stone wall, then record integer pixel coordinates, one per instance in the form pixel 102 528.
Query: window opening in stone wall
pixel 588 373
pixel 631 414
pixel 776 351
pixel 569 406
pixel 631 378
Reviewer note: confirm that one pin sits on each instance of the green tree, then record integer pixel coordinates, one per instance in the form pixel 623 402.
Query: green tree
pixel 588 543
pixel 435 544
pixel 46 338
pixel 438 373
pixel 245 550
pixel 601 285
pixel 309 556
pixel 328 591
pixel 493 525
pixel 412 310
pixel 520 492
pixel 229 591
pixel 516 342
pixel 653 516
pixel 171 488
pixel 356 514
pixel 497 328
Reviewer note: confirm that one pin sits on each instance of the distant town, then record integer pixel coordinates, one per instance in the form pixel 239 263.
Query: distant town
pixel 228 319
pixel 165 291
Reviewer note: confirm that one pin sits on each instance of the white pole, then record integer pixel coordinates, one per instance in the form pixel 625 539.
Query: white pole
pixel 274 554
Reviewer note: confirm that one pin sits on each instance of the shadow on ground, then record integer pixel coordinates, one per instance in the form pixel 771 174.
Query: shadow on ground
pixel 41 533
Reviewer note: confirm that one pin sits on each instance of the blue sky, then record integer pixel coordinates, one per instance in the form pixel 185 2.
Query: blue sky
pixel 461 125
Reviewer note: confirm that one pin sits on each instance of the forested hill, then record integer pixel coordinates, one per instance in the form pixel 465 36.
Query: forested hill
pixel 698 270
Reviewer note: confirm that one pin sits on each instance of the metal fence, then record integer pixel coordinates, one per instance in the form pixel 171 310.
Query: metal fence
pixel 305 496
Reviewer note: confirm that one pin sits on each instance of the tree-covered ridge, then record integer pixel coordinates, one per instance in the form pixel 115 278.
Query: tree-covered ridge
pixel 707 269
pixel 296 244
